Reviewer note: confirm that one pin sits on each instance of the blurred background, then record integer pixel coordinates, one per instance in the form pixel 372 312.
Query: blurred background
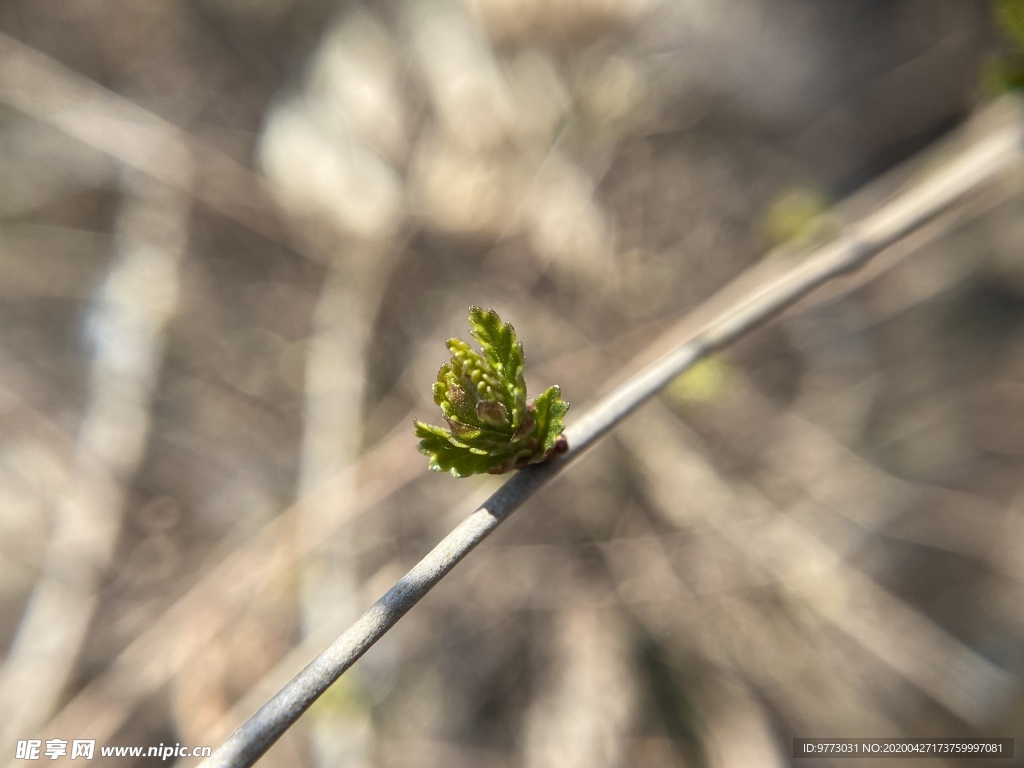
pixel 234 237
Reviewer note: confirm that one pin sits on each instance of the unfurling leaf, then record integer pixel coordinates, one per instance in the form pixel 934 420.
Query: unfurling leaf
pixel 492 427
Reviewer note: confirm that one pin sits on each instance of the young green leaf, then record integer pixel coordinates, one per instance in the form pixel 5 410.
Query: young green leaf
pixel 492 427
pixel 549 410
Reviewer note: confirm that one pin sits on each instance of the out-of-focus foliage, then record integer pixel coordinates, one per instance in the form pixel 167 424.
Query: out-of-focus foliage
pixel 705 382
pixel 796 216
pixel 1005 71
pixel 492 426
pixel 1009 15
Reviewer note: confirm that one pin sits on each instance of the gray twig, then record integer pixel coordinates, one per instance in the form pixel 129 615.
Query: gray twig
pixel 976 165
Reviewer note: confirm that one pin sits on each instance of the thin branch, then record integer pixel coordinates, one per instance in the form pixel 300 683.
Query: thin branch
pixel 978 164
pixel 158 654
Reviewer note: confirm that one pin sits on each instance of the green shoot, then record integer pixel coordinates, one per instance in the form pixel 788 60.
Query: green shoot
pixel 492 426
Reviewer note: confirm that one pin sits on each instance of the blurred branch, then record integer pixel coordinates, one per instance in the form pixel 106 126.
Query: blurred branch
pixel 56 95
pixel 981 162
pixel 126 329
pixel 336 371
pixel 155 656
pixel 808 557
pixel 584 711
